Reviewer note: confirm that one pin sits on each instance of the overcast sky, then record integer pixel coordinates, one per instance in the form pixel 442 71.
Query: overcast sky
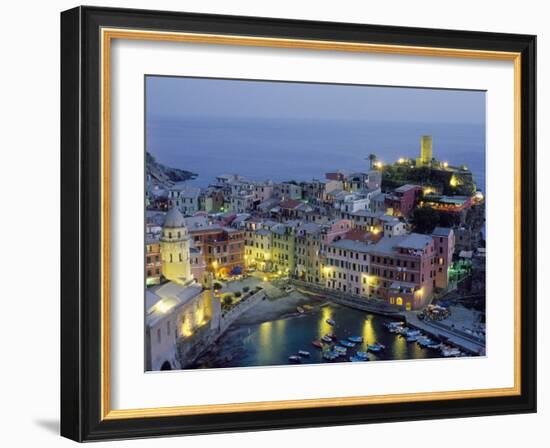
pixel 195 97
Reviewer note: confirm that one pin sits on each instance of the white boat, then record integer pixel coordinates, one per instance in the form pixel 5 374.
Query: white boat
pixel 326 338
pixel 294 358
pixel 303 353
pixel 376 347
pixel 330 322
pixel 355 339
pixel 451 351
pixel 340 350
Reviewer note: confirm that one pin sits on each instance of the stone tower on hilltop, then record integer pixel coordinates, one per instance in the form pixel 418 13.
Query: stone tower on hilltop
pixel 426 155
pixel 174 248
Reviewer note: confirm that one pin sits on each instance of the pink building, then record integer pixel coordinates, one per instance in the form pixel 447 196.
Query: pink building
pixel 444 240
pixel 402 271
pixel 335 229
pixel 198 263
pixel 403 199
pixel 263 191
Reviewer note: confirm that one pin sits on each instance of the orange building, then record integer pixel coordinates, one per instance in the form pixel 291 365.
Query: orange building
pixel 221 247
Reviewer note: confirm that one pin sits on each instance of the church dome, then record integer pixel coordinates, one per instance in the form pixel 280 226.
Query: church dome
pixel 174 218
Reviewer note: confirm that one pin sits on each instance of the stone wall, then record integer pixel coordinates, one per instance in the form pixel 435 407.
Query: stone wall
pixel 187 351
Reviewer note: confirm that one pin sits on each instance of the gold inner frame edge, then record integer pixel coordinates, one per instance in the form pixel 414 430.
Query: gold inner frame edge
pixel 107 35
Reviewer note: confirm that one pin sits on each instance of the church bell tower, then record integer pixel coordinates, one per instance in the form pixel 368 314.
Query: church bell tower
pixel 174 248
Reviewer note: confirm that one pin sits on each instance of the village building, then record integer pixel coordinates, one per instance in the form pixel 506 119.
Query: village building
pixel 403 200
pixel 287 190
pixel 444 239
pixel 283 247
pixel 346 267
pixel 184 197
pixel 401 270
pixel 153 264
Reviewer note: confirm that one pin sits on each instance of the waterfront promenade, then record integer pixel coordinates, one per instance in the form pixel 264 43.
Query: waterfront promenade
pixel 446 333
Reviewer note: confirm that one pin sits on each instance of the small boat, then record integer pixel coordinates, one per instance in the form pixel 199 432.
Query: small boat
pixel 450 351
pixel 412 338
pixel 317 343
pixel 413 332
pixel 356 339
pixel 294 358
pixel 300 309
pixel 330 322
pixel 304 353
pixel 347 344
pixel 326 338
pixel 394 327
pixel 375 347
pixel 362 355
pixel 424 342
pixel 357 359
pixel 434 346
pixel 340 350
pixel 330 355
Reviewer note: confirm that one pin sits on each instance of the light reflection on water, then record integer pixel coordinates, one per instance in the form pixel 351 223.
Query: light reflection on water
pixel 271 343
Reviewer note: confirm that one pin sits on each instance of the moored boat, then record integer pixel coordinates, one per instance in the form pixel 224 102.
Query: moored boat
pixel 363 355
pixel 357 359
pixel 355 339
pixel 450 351
pixel 347 344
pixel 376 347
pixel 294 358
pixel 340 350
pixel 330 322
pixel 300 309
pixel 304 353
pixel 424 342
pixel 330 355
pixel 317 343
pixel 326 338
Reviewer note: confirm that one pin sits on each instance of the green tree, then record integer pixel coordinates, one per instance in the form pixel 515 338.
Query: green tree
pixel 424 219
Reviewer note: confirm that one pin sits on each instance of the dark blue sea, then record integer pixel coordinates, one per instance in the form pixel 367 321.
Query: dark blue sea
pixel 302 149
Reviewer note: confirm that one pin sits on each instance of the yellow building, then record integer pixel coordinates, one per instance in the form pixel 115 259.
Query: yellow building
pixel 426 155
pixel 174 248
pixel 258 246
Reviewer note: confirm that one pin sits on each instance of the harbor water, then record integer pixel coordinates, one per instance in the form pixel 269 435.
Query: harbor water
pixel 271 343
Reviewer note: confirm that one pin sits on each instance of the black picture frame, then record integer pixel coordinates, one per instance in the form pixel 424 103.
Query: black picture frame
pixel 81 224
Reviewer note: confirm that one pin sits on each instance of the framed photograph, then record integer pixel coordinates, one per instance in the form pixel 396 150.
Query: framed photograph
pixel 276 224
